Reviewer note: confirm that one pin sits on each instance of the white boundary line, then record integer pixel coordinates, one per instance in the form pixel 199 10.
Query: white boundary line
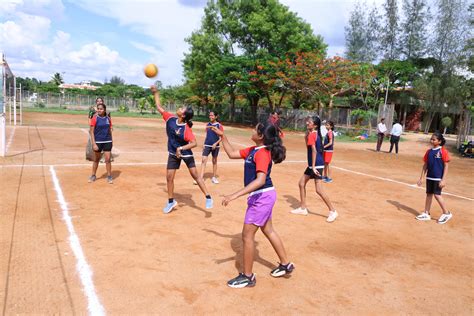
pixel 85 273
pixel 10 139
pixel 398 182
pixel 237 162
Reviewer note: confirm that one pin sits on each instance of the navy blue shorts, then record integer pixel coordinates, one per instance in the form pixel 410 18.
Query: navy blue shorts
pixel 207 150
pixel 104 147
pixel 174 162
pixel 432 187
pixel 309 172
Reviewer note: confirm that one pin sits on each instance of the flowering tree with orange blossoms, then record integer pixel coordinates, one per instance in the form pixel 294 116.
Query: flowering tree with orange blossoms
pixel 296 75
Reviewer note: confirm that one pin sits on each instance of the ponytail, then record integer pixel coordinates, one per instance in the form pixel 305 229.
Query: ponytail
pixel 188 116
pixel 440 137
pixel 272 140
pixel 317 122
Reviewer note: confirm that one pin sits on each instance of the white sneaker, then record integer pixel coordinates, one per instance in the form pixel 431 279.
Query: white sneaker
pixel 214 180
pixel 299 211
pixel 423 217
pixel 332 216
pixel 444 218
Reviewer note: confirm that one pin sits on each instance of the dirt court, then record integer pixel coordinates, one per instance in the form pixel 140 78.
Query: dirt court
pixel 70 247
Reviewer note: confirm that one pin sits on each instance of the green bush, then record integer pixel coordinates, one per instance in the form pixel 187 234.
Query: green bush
pixel 40 105
pixel 123 108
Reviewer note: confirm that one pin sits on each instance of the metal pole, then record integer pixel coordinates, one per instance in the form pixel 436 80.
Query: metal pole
pixel 21 107
pixel 9 100
pixel 14 100
pixel 3 140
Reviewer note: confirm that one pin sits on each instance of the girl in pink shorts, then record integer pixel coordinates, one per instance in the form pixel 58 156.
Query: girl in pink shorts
pixel 262 197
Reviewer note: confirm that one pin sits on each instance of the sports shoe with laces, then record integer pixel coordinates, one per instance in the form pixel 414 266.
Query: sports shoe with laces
pixel 209 203
pixel 110 180
pixel 242 281
pixel 299 211
pixel 282 270
pixel 328 180
pixel 169 207
pixel 444 218
pixel 332 216
pixel 214 180
pixel 92 178
pixel 423 217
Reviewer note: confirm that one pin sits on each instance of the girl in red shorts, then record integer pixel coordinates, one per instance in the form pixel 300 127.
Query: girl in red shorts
pixel 328 149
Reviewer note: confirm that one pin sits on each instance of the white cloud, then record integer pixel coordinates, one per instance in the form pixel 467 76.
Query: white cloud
pixel 33 49
pixel 144 47
pixel 167 23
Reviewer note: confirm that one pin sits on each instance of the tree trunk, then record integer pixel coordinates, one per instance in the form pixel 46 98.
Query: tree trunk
pixel 404 116
pixel 253 107
pixel 330 105
pixel 281 99
pixel 270 102
pixel 428 123
pixel 232 107
pixel 463 126
pixel 296 101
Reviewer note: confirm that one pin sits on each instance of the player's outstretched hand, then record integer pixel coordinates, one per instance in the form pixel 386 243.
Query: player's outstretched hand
pixel 226 199
pixel 216 130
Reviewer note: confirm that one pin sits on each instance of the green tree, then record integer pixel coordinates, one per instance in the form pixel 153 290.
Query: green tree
pixel 451 33
pixel 355 34
pixel 414 28
pixel 57 79
pixel 362 34
pixel 390 34
pixel 116 80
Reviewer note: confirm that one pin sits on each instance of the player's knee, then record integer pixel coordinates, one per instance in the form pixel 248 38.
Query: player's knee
pixel 319 190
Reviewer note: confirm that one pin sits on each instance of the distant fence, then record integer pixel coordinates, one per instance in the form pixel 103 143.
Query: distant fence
pixel 71 101
pixel 290 118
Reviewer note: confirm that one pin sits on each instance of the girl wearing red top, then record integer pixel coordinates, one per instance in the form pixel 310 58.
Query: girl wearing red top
pixel 262 197
pixel 314 170
pixel 436 168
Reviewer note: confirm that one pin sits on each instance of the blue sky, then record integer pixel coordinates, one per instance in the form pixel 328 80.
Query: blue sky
pixel 97 39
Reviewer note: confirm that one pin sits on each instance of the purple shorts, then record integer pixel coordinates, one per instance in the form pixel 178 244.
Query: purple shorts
pixel 259 208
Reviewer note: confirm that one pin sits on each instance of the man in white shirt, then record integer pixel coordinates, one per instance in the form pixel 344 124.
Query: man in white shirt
pixel 323 129
pixel 397 130
pixel 381 130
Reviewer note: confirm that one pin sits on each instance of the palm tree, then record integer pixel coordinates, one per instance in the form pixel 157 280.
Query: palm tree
pixel 57 79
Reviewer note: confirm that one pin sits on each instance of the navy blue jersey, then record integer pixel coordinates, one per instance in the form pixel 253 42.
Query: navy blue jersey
pixel 313 139
pixel 102 125
pixel 178 135
pixel 327 140
pixel 211 136
pixel 435 159
pixel 257 159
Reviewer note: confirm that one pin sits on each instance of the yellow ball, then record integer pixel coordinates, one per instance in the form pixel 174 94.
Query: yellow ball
pixel 150 70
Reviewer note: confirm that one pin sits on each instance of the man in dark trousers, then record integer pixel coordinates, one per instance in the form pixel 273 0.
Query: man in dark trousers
pixel 381 130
